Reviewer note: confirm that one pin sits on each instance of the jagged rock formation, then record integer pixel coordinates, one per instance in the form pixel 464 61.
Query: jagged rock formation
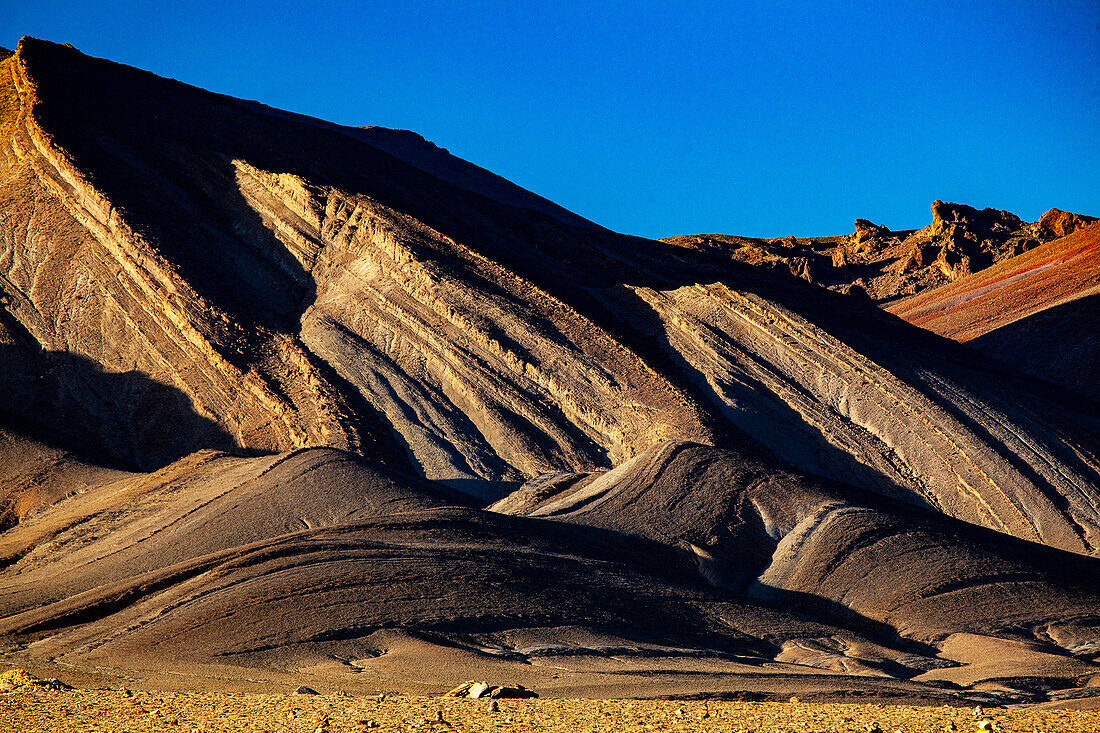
pixel 888 265
pixel 1036 312
pixel 251 357
pixel 1063 223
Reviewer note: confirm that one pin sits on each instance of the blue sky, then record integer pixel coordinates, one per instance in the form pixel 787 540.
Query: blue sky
pixel 757 118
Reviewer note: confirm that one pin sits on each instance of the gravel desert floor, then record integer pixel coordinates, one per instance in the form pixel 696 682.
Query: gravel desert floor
pixel 37 709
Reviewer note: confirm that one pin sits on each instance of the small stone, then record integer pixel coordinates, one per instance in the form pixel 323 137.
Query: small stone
pixel 462 690
pixel 303 690
pixel 985 724
pixel 795 698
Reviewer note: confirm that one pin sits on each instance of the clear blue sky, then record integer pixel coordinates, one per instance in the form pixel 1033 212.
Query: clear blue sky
pixel 760 118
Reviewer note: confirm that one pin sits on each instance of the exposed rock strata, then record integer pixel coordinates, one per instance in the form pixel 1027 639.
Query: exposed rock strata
pixel 1035 312
pixel 701 466
pixel 706 560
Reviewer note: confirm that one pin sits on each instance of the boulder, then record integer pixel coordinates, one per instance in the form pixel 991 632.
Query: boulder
pixel 1062 223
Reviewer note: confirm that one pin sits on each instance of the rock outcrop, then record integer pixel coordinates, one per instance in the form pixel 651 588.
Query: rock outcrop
pixel 1035 312
pixel 1063 223
pixel 887 265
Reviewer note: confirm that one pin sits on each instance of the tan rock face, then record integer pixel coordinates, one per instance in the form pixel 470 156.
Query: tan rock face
pixel 1063 223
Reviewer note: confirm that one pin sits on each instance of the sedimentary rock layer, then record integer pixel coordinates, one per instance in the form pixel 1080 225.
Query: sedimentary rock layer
pixel 263 374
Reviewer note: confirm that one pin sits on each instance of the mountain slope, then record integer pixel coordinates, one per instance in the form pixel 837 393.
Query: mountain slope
pixel 294 286
pixel 841 555
pixel 1035 311
pixel 686 560
pixel 263 372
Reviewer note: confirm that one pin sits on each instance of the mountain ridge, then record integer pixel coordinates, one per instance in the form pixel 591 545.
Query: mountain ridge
pixel 282 400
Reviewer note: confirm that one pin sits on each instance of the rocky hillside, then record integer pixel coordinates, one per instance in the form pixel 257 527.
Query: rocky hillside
pixel 886 265
pixel 1036 312
pixel 290 395
pixel 686 560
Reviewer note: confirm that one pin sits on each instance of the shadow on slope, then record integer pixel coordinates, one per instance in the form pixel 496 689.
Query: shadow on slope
pixel 839 554
pixel 293 560
pixel 113 419
pixel 861 380
pixel 1059 345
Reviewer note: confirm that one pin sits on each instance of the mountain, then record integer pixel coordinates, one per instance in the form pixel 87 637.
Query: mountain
pixel 886 265
pixel 291 398
pixel 1036 311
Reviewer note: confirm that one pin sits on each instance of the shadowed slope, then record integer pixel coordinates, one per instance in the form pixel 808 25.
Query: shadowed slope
pixel 688 558
pixel 273 283
pixel 285 561
pixel 1059 344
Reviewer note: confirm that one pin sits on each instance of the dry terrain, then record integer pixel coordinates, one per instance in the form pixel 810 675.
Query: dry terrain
pixel 294 403
pixel 887 265
pixel 1036 312
pixel 35 710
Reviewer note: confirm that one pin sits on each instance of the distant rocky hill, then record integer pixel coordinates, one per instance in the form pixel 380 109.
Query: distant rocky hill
pixel 1036 312
pixel 289 398
pixel 887 265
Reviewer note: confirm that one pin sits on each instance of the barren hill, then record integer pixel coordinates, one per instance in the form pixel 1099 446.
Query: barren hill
pixel 886 265
pixel 266 373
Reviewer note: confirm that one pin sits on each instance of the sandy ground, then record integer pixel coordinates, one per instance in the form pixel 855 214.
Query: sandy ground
pixel 29 709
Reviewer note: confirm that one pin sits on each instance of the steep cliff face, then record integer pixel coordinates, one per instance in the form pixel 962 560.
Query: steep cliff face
pixel 285 283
